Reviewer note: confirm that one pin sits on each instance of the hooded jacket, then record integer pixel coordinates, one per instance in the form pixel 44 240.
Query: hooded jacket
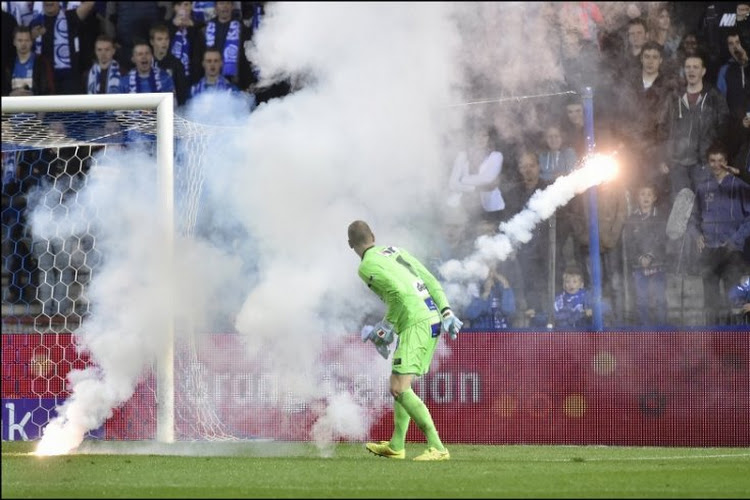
pixel 690 131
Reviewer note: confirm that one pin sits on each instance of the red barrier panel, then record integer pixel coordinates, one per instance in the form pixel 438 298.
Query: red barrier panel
pixel 610 388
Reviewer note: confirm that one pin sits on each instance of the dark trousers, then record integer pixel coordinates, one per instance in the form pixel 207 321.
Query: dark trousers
pixel 650 297
pixel 717 264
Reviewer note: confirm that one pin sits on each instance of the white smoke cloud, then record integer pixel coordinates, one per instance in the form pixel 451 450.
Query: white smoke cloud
pixel 363 136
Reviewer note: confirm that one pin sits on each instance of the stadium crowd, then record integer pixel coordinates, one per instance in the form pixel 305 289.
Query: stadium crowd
pixel 671 87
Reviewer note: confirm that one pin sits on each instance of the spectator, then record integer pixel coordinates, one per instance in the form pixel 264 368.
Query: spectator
pixel 720 223
pixel 584 17
pixel 663 31
pixel 7 50
pixel 715 51
pixel 213 80
pixel 734 84
pixel 742 22
pixel 575 135
pixel 646 253
pixel 167 62
pixel 229 36
pixel 476 170
pixel 29 74
pixel 57 32
pixel 104 75
pixel 533 256
pixel 629 62
pixel 732 22
pixel 188 41
pixel 637 36
pixel 132 21
pixel 494 307
pixel 579 58
pixel 642 104
pixel 573 307
pixel 696 116
pixel 555 160
pixel 145 77
pixel 612 211
pixel 739 298
pixel 689 45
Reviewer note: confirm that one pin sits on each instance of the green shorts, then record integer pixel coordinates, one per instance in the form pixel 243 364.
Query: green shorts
pixel 416 346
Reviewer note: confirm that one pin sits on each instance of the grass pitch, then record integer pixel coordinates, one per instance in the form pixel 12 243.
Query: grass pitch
pixel 300 470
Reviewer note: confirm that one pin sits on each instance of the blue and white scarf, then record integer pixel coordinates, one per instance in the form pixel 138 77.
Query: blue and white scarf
pixel 231 47
pixel 181 49
pixel 113 78
pixel 22 11
pixel 61 41
pixel 154 81
pixel 203 85
pixel 204 11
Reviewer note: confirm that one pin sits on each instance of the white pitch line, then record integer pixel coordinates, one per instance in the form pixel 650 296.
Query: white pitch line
pixel 682 457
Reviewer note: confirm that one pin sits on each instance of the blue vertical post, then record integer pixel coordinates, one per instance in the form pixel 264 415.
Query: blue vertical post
pixel 596 268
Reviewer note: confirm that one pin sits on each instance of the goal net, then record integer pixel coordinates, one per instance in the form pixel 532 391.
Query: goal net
pixel 53 148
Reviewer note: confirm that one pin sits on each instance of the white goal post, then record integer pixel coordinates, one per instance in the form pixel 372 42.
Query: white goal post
pixel 164 105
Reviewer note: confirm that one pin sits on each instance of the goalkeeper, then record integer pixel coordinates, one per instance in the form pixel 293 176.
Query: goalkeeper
pixel 417 312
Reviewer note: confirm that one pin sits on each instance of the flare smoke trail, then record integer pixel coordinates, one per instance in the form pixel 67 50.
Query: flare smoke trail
pixel 518 230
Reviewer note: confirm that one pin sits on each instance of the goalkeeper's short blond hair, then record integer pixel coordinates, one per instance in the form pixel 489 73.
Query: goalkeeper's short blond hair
pixel 360 233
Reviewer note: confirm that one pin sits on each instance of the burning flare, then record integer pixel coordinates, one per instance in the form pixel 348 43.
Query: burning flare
pixel 58 439
pixel 597 168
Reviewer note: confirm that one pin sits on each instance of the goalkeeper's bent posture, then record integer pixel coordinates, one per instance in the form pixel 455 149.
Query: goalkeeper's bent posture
pixel 417 312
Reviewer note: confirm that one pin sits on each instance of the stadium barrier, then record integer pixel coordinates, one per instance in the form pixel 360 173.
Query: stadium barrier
pixel 665 388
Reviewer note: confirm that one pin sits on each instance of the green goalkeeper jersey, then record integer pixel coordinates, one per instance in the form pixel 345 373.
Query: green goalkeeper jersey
pixel 409 290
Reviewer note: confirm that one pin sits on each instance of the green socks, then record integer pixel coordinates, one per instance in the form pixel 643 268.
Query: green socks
pixel 410 404
pixel 401 421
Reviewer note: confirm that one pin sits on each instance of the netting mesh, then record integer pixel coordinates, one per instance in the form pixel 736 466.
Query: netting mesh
pixel 48 161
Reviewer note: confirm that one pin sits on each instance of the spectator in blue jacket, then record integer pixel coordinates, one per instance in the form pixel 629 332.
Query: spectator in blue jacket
pixel 145 77
pixel 574 306
pixel 495 306
pixel 739 298
pixel 720 224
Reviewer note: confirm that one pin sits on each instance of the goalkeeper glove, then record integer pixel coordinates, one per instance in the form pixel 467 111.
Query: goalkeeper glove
pixel 450 323
pixel 381 335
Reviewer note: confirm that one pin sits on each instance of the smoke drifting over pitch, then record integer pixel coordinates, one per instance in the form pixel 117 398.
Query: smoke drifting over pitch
pixel 363 136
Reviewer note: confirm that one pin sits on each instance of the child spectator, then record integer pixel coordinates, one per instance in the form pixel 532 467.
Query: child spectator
pixel 739 298
pixel 646 252
pixel 495 306
pixel 573 307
